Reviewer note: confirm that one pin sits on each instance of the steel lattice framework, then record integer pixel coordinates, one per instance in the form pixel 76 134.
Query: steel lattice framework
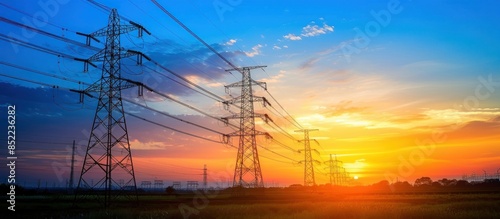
pixel 108 172
pixel 308 161
pixel 247 172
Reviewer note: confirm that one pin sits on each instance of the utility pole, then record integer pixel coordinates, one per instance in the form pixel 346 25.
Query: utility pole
pixel 71 184
pixel 247 172
pixel 308 161
pixel 205 177
pixel 108 159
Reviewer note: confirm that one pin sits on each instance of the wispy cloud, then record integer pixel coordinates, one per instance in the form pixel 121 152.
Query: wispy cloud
pixel 309 63
pixel 311 30
pixel 315 30
pixel 275 78
pixel 230 42
pixel 292 36
pixel 255 51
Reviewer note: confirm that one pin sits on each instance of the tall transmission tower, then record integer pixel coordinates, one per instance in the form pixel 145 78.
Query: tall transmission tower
pixel 107 171
pixel 308 161
pixel 247 171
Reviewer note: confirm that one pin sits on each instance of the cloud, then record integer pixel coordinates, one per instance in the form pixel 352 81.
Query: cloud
pixel 311 30
pixel 200 80
pixel 315 30
pixel 344 107
pixel 276 47
pixel 136 144
pixel 275 78
pixel 309 63
pixel 230 42
pixel 404 119
pixel 292 36
pixel 255 51
pixel 196 60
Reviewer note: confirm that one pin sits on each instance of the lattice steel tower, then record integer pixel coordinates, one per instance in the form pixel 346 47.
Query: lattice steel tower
pixel 308 161
pixel 108 172
pixel 247 172
pixel 335 167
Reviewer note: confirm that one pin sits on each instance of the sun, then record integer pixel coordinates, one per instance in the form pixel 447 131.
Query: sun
pixel 356 177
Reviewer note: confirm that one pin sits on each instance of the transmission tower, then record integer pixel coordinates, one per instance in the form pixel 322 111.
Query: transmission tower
pixel 330 166
pixel 71 183
pixel 108 172
pixel 247 172
pixel 205 177
pixel 308 161
pixel 336 171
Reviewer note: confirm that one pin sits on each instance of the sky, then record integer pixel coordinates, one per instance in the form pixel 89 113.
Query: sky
pixel 398 89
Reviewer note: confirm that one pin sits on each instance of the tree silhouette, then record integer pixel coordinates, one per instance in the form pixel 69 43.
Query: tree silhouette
pixel 423 181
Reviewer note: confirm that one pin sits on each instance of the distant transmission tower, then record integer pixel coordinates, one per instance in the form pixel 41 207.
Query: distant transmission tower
pixel 108 172
pixel 308 161
pixel 247 172
pixel 71 174
pixel 205 177
pixel 336 171
pixel 330 166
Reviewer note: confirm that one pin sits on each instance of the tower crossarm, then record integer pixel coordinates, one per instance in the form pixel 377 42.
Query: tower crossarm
pixel 226 137
pixel 264 101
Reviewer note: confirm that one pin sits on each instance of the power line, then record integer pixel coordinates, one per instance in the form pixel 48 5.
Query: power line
pixel 276 153
pixel 187 105
pixel 37 18
pixel 281 130
pixel 285 146
pixel 214 51
pixel 296 123
pixel 217 53
pixel 174 45
pixel 217 98
pixel 35 47
pixel 43 142
pixel 193 34
pixel 173 129
pixel 3 19
pixel 187 81
pixel 184 85
pixel 174 117
pixel 42 73
pixel 34 82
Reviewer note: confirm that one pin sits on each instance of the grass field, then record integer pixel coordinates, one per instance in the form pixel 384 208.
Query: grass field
pixel 272 204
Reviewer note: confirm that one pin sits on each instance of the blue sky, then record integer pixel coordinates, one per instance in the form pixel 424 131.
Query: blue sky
pixel 323 58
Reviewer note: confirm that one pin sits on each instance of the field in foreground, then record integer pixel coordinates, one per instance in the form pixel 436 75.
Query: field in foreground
pixel 271 204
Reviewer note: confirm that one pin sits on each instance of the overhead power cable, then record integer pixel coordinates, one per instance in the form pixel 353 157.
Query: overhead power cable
pixel 42 73
pixel 33 81
pixel 35 47
pixel 187 105
pixel 173 129
pixel 193 34
pixel 174 117
pixel 3 19
pixel 187 81
pixel 36 18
